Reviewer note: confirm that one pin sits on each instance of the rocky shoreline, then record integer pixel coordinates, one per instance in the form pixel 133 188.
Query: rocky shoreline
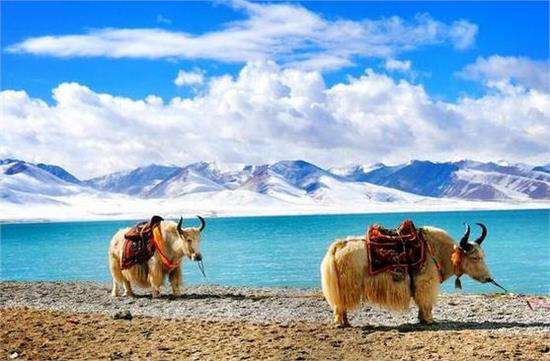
pixel 302 318
pixel 271 305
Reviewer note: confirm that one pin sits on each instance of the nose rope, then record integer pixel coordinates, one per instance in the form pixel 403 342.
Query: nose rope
pixel 201 267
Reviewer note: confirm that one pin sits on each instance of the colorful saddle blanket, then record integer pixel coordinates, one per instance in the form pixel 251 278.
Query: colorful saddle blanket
pixel 402 249
pixel 138 244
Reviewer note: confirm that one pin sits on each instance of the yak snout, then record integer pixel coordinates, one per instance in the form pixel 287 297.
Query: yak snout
pixel 196 257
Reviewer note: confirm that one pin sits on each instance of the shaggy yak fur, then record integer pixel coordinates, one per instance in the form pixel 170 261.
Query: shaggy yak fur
pixel 346 282
pixel 177 244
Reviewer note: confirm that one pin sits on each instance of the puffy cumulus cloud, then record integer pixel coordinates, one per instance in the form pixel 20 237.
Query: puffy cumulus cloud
pixel 504 72
pixel 267 113
pixel 194 77
pixel 287 33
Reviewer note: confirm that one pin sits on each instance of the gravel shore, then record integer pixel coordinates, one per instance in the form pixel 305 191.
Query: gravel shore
pixel 496 326
pixel 271 305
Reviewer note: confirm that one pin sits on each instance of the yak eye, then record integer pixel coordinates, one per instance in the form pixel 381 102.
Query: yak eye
pixel 476 259
pixel 188 240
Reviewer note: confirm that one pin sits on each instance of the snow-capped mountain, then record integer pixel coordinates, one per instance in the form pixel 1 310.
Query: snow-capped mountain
pixel 194 178
pixel 59 173
pixel 465 180
pixel 265 180
pixel 542 168
pixel 302 174
pixel 22 182
pixel 200 177
pixel 334 191
pixel 477 180
pixel 280 188
pixel 281 180
pixel 355 172
pixel 418 177
pixel 135 182
pixel 295 179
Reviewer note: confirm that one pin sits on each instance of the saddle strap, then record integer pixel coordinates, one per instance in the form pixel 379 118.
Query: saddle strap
pixel 409 263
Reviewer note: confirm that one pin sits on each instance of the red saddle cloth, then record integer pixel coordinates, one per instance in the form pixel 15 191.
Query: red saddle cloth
pixel 138 243
pixel 402 249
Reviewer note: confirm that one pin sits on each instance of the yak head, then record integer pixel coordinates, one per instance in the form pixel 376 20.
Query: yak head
pixel 189 239
pixel 471 259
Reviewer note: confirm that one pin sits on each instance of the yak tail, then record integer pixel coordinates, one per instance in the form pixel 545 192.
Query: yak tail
pixel 330 280
pixel 140 274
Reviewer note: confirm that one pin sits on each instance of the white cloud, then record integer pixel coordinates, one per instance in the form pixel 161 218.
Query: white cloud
pixel 267 113
pixel 287 33
pixel 398 65
pixel 503 72
pixel 321 62
pixel 463 34
pixel 194 77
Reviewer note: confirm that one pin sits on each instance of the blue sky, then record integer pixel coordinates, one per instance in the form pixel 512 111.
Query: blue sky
pixel 505 28
pixel 93 86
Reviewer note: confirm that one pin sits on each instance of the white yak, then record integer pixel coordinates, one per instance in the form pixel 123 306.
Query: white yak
pixel 346 282
pixel 177 242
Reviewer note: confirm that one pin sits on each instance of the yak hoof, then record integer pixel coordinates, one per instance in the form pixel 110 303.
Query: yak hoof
pixel 426 322
pixel 345 324
pixel 341 320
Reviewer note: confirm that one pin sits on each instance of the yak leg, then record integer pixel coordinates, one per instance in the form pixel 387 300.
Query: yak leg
pixel 175 280
pixel 341 318
pixel 346 321
pixel 425 314
pixel 425 297
pixel 155 278
pixel 114 290
pixel 116 273
pixel 128 289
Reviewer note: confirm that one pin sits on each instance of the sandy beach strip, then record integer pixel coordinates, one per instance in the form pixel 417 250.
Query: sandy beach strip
pixel 75 320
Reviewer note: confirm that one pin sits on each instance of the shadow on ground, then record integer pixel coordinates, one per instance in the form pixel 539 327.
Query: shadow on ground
pixel 447 325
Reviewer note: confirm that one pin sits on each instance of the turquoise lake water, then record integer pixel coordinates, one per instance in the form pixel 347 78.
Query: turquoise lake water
pixel 279 251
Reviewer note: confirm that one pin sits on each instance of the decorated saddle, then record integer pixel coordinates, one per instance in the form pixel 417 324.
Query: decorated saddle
pixel 401 250
pixel 139 243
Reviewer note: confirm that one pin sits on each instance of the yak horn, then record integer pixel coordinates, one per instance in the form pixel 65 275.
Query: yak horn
pixel 464 241
pixel 483 233
pixel 203 223
pixel 180 223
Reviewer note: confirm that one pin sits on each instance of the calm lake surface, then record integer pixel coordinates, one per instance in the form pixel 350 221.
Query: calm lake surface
pixel 279 251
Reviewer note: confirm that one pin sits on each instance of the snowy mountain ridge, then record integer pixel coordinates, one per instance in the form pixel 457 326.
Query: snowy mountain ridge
pixel 287 181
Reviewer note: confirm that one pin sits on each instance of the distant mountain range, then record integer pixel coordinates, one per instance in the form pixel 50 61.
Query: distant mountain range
pixel 286 181
pixel 464 179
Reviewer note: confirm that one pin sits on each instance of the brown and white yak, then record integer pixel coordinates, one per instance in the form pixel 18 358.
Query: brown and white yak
pixel 346 282
pixel 178 243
